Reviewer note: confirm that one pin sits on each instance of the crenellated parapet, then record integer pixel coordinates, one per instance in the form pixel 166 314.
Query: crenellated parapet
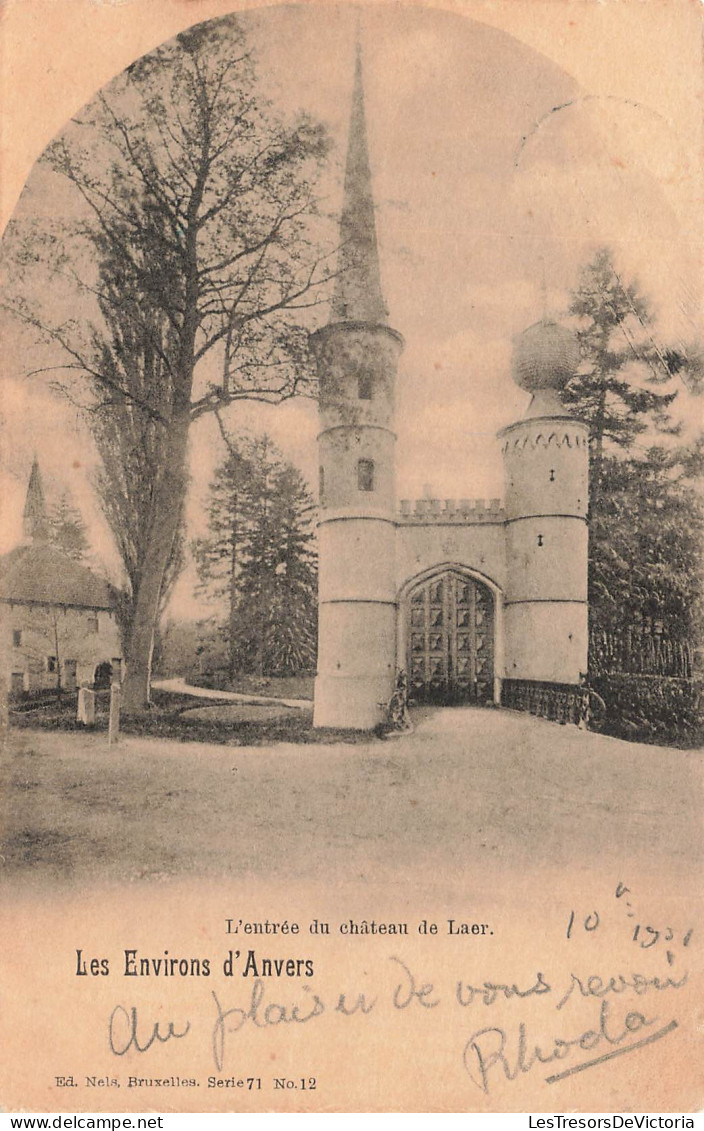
pixel 458 512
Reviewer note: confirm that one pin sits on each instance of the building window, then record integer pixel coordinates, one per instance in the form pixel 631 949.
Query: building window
pixel 92 622
pixel 51 663
pixel 365 475
pixel 365 386
pixel 16 637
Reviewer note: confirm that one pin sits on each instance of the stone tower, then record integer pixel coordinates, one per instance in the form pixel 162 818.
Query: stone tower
pixel 357 355
pixel 546 462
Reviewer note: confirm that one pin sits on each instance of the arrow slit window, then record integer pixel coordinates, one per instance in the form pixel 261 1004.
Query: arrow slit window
pixel 365 387
pixel 365 475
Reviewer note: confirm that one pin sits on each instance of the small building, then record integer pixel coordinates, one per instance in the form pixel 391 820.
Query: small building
pixel 58 617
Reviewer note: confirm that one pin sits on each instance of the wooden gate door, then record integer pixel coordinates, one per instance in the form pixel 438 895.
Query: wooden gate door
pixel 451 641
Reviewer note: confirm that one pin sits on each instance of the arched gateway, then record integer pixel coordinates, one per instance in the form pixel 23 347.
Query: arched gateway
pixel 449 639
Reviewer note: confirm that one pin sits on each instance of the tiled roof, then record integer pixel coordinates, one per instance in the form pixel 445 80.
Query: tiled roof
pixel 41 574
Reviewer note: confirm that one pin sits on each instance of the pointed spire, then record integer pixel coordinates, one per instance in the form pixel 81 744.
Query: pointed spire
pixel 35 523
pixel 543 290
pixel 357 296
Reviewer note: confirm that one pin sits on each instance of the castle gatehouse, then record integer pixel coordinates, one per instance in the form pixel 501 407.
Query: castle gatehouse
pixel 467 596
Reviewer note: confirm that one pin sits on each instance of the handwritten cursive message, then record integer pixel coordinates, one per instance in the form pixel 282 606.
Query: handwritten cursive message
pixel 489 1053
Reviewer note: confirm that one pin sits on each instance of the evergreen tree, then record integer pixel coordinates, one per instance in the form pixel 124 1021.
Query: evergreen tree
pixel 68 530
pixel 218 558
pixel 260 560
pixel 616 389
pixel 646 546
pixel 646 510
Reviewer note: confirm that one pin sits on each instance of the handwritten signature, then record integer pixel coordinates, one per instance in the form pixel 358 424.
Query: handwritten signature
pixel 492 1048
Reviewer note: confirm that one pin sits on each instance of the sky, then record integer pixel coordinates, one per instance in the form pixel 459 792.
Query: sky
pixel 507 143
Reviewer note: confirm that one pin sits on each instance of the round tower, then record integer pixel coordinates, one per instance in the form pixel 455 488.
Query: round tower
pixel 356 354
pixel 546 463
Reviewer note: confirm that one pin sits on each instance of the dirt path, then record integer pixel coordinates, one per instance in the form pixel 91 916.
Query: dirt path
pixel 492 788
pixel 179 687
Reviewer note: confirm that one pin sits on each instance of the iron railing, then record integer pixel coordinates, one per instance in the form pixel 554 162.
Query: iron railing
pixel 559 702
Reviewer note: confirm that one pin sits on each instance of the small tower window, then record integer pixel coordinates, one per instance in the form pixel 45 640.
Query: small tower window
pixel 16 637
pixel 365 475
pixel 365 386
pixel 92 622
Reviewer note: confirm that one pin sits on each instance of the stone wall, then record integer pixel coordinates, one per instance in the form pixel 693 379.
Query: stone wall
pixel 53 636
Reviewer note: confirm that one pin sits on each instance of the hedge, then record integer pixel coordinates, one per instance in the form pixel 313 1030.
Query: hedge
pixel 652 708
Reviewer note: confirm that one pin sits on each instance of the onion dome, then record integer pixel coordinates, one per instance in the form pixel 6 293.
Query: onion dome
pixel 545 356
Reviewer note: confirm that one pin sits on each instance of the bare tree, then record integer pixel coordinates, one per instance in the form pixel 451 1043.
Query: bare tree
pixel 199 245
pixel 131 433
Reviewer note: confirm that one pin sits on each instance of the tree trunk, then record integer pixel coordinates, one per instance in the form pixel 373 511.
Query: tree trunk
pixel 56 648
pixel 5 638
pixel 261 643
pixel 166 513
pixel 232 642
pixel 597 461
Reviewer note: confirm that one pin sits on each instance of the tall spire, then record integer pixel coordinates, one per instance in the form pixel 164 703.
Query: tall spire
pixel 357 296
pixel 35 523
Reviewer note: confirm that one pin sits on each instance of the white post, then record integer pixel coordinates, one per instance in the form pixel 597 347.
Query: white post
pixel 86 706
pixel 114 724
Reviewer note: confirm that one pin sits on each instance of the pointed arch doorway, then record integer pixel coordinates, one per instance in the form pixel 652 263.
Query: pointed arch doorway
pixel 450 621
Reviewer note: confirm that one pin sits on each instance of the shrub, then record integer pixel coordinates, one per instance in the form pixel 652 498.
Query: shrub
pixel 651 708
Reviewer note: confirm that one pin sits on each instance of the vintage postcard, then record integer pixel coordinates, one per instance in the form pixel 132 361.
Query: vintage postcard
pixel 351 573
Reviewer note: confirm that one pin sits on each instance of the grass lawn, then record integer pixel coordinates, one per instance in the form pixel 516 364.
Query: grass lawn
pixel 186 718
